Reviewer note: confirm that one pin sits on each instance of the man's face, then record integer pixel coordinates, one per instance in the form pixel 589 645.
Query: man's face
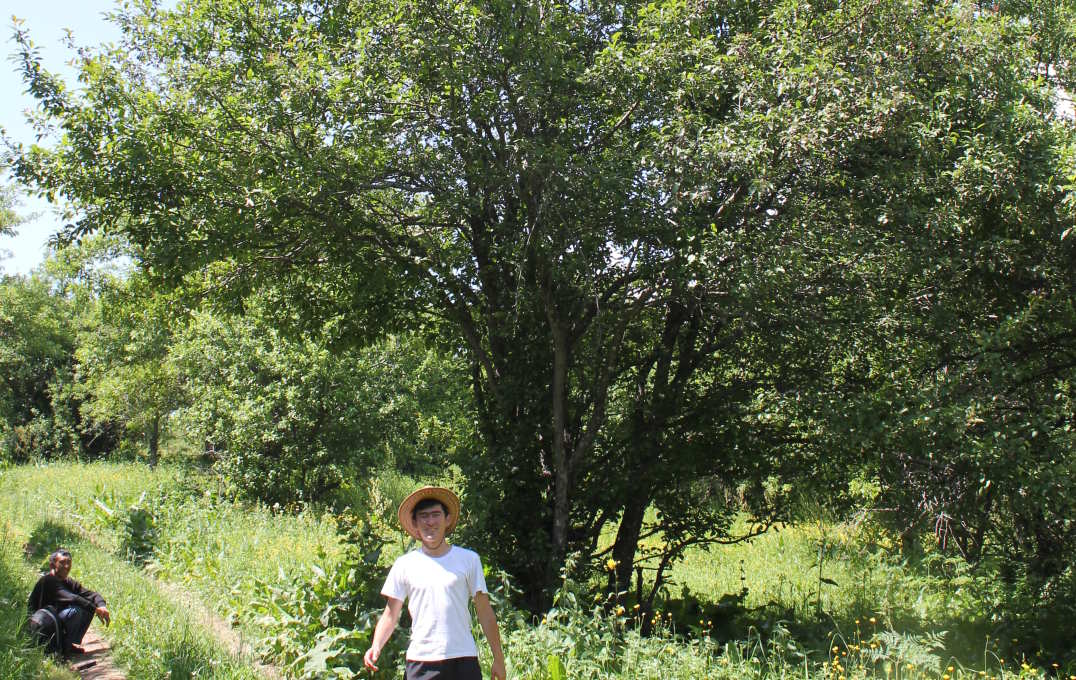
pixel 431 523
pixel 61 566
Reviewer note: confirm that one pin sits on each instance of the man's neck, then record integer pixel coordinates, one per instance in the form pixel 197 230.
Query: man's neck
pixel 441 548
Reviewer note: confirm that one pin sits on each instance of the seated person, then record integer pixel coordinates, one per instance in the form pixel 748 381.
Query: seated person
pixel 72 604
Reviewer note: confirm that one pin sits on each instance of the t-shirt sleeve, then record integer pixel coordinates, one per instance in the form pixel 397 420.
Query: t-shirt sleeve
pixel 395 583
pixel 477 579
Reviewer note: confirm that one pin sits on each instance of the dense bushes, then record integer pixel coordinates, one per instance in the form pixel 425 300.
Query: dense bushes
pixel 94 364
pixel 39 407
pixel 294 419
pixel 325 619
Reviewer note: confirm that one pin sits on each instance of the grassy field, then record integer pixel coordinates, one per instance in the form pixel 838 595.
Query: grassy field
pixel 747 610
pixel 82 508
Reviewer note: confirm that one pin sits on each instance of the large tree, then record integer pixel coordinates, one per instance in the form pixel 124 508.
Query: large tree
pixel 645 225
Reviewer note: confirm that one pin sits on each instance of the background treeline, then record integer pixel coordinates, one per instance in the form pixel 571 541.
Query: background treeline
pixel 624 273
pixel 97 365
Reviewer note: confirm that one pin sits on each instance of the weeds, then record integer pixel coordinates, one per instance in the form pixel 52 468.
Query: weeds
pixel 305 585
pixel 326 620
pixel 150 634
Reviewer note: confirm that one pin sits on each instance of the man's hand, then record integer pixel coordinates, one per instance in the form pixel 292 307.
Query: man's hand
pixel 103 614
pixel 488 620
pixel 370 658
pixel 383 631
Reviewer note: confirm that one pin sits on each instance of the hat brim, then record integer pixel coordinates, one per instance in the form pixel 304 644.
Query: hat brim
pixel 438 493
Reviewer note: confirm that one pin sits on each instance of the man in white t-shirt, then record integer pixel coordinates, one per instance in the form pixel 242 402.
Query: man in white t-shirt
pixel 437 579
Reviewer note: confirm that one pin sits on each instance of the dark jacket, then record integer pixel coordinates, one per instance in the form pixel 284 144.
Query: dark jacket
pixel 62 593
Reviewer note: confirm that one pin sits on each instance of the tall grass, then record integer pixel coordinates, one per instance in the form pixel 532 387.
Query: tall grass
pixel 154 635
pixel 215 547
pixel 836 580
pixel 818 602
pixel 151 634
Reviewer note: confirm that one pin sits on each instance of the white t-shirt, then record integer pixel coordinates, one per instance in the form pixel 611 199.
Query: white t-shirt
pixel 437 590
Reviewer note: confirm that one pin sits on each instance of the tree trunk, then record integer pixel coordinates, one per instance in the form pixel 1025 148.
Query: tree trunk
pixel 627 539
pixel 561 459
pixel 154 440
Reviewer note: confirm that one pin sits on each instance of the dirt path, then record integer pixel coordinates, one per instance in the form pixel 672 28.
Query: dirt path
pixel 97 659
pixel 228 636
pixel 97 663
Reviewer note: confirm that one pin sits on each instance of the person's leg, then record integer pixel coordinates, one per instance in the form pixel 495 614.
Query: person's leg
pixel 76 621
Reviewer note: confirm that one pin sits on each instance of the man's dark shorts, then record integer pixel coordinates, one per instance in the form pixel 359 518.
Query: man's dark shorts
pixel 463 668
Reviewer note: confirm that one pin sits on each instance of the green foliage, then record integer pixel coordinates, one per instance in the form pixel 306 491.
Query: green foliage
pixel 278 418
pixel 151 634
pixel 136 528
pixel 155 632
pixel 9 218
pixel 320 625
pixel 257 568
pixel 20 659
pixel 294 419
pixel 684 247
pixel 39 404
pixel 124 362
pixel 139 535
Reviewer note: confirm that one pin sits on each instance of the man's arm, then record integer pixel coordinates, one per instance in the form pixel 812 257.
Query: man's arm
pixel 383 631
pixel 93 599
pixel 488 620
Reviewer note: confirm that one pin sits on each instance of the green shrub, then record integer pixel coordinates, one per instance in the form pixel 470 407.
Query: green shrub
pixel 320 625
pixel 139 534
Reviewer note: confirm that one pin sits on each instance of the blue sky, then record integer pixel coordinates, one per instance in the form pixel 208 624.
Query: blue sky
pixel 46 21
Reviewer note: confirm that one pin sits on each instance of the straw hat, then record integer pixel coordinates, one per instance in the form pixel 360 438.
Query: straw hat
pixel 446 497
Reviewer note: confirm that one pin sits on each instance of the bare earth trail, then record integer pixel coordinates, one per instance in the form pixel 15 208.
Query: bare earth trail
pixel 220 629
pixel 100 654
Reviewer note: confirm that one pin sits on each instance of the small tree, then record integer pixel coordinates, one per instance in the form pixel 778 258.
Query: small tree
pixel 124 361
